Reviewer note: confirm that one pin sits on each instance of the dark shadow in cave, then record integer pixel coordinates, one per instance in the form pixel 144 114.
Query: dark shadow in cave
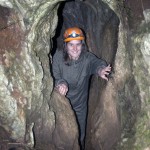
pixel 100 24
pixel 59 27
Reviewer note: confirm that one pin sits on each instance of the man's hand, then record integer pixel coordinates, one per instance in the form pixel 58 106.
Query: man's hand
pixel 103 73
pixel 62 89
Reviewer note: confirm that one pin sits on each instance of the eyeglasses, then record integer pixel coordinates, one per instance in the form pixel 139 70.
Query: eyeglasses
pixel 74 35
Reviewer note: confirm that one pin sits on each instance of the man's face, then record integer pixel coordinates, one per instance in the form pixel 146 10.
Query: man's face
pixel 74 49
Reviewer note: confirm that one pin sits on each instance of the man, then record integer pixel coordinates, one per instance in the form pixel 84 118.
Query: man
pixel 72 67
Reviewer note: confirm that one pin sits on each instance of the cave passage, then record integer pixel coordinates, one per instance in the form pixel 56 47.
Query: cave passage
pixel 100 24
pixel 36 117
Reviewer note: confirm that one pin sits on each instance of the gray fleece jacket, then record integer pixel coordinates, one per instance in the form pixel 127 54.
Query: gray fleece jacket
pixel 76 76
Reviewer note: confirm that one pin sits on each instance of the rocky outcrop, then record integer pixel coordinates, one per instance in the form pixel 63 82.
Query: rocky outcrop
pixel 26 119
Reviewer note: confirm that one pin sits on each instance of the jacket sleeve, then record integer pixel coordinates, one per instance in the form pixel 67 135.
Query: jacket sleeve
pixel 56 69
pixel 96 64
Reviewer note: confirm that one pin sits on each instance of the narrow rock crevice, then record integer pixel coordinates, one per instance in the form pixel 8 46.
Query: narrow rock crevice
pixel 101 27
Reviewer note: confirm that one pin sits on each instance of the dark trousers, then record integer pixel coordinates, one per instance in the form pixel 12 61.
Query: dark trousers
pixel 81 115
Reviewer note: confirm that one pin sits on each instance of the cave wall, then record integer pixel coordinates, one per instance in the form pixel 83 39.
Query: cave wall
pixel 131 84
pixel 32 116
pixel 27 119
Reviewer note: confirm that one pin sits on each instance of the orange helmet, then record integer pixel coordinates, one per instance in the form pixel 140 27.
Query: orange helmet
pixel 73 34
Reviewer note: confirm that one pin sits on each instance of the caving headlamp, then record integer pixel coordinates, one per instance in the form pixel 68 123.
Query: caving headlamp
pixel 73 34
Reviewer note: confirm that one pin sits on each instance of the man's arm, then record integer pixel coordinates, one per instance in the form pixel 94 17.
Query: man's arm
pixel 99 67
pixel 60 84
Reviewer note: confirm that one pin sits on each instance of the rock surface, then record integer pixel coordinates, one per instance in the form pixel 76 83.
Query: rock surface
pixel 26 119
